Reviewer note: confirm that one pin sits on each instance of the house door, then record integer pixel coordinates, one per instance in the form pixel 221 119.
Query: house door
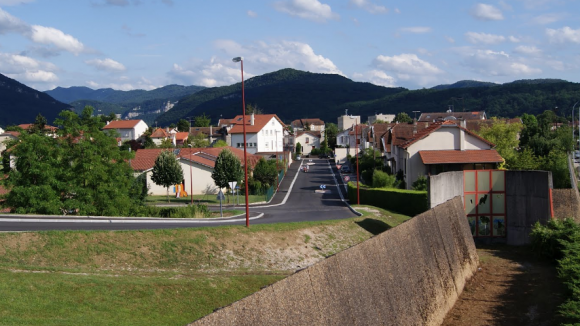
pixel 484 201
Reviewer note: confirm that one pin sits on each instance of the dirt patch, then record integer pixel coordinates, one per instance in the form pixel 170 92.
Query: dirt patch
pixel 511 287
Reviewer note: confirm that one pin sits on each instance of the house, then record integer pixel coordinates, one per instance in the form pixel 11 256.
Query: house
pixel 128 129
pixel 159 135
pixel 347 121
pixel 211 133
pixel 308 124
pixel 309 140
pixel 439 147
pixel 180 138
pixel 199 161
pixel 381 117
pixel 264 134
pixel 7 136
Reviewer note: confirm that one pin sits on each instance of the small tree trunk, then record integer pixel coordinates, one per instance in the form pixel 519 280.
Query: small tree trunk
pixel 168 194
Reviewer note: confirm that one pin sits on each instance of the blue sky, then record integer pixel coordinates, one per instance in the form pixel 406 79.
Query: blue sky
pixel 145 44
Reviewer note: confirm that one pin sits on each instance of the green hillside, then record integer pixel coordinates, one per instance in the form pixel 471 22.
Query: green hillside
pixel 289 93
pixel 21 104
pixel 100 107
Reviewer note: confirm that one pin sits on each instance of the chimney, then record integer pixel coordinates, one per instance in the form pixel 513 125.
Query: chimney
pixel 252 119
pixel 414 127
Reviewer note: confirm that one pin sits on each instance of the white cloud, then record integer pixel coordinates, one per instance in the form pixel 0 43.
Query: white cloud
pixel 528 50
pixel 493 63
pixel 259 58
pixel 484 38
pixel 252 14
pixel 93 84
pixel 485 12
pixel 408 67
pixel 53 36
pixel 106 64
pixel 546 19
pixel 11 24
pixel 369 6
pixel 563 35
pixel 307 9
pixel 450 39
pixel 26 69
pixel 376 77
pixel 514 39
pixel 397 11
pixel 416 29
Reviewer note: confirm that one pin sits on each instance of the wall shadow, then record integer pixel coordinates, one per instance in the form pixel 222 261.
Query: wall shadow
pixel 373 226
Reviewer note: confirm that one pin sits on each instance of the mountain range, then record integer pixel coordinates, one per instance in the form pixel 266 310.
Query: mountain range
pixel 291 94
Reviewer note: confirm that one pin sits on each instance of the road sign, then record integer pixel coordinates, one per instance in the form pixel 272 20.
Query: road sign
pixel 322 187
pixel 232 184
pixel 220 195
pixel 346 178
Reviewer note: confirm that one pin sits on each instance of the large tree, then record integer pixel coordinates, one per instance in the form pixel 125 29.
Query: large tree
pixel 265 172
pixel 505 137
pixel 402 117
pixel 183 125
pixel 202 121
pixel 81 171
pixel 330 132
pixel 167 171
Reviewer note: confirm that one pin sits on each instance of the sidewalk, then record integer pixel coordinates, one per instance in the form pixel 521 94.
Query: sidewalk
pixel 284 186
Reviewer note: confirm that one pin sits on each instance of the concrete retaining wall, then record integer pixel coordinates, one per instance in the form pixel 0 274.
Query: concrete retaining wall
pixel 409 275
pixel 444 186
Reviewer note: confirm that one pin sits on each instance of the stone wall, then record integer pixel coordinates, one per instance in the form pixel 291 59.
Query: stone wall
pixel 566 204
pixel 444 186
pixel 409 275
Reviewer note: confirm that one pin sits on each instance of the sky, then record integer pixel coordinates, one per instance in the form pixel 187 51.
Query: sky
pixel 146 44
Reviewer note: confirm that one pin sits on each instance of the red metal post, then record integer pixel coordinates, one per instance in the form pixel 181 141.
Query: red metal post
pixel 356 154
pixel 245 148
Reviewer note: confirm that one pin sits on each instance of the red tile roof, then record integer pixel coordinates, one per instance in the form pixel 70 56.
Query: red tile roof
pixel 312 133
pixel 299 123
pixel 159 133
pixel 145 158
pixel 181 136
pixel 260 121
pixel 27 126
pixel 122 124
pixel 458 157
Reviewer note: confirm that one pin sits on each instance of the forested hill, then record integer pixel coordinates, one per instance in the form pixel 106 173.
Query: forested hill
pixel 21 104
pixel 507 100
pixel 289 93
pixel 109 95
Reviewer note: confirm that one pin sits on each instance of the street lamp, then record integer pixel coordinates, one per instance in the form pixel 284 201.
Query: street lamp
pixel 574 123
pixel 356 154
pixel 278 175
pixel 190 173
pixel 241 61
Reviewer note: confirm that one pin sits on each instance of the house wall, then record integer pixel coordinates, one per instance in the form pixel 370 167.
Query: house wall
pixel 266 140
pixel 139 129
pixel 445 138
pixel 347 121
pixel 251 138
pixel 343 139
pixel 312 141
pixel 377 282
pixel 3 140
pixel 202 180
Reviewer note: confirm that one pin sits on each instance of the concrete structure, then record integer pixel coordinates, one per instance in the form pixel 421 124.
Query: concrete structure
pixel 444 186
pixel 264 133
pixel 128 129
pixel 308 139
pixel 378 282
pixel 310 124
pixel 347 121
pixel 388 118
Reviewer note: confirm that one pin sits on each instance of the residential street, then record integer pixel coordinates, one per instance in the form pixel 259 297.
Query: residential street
pixel 297 200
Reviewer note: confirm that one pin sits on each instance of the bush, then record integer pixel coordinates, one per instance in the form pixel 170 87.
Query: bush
pixel 189 211
pixel 420 183
pixel 315 151
pixel 408 202
pixel 383 180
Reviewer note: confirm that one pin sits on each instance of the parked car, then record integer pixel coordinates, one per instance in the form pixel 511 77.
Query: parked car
pixel 298 158
pixel 344 169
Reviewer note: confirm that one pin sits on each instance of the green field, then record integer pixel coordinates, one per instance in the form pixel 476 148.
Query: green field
pixel 160 277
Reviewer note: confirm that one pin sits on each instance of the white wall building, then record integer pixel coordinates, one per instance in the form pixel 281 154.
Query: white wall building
pixel 264 134
pixel 128 129
pixel 309 140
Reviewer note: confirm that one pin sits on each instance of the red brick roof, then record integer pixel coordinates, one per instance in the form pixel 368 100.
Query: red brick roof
pixel 159 133
pixel 458 157
pixel 122 124
pixel 181 136
pixel 312 133
pixel 299 123
pixel 260 121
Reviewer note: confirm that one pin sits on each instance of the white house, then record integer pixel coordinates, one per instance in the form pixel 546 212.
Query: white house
pixel 128 129
pixel 197 165
pixel 309 140
pixel 264 133
pixel 347 121
pixel 441 147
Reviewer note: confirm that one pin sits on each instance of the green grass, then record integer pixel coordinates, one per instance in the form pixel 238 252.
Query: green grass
pixel 158 277
pixel 204 199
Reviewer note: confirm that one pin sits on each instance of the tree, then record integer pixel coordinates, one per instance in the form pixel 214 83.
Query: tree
pixel 403 117
pixel 505 137
pixel 227 169
pixel 330 133
pixel 39 124
pixel 198 141
pixel 307 126
pixel 166 143
pixel 220 143
pixel 183 125
pixel 298 148
pixel 167 171
pixel 265 172
pixel 201 121
pixel 253 109
pixel 81 171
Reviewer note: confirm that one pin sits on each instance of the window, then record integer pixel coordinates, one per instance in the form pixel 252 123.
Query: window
pixel 255 145
pixel 307 140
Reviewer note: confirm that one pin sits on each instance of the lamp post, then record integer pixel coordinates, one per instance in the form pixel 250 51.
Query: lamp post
pixel 241 61
pixel 277 173
pixel 574 123
pixel 356 154
pixel 190 174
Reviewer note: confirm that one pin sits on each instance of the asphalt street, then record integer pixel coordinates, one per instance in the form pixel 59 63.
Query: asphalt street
pixel 299 198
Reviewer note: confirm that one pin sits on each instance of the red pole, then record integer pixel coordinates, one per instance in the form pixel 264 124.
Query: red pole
pixel 245 148
pixel 191 180
pixel 356 154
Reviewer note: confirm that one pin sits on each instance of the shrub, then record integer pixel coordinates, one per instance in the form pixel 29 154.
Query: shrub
pixel 189 211
pixel 383 180
pixel 420 183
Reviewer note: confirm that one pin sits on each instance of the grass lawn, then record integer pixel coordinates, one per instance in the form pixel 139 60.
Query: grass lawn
pixel 160 277
pixel 204 199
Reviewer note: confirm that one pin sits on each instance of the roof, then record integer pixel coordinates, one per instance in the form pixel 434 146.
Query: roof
pixel 159 133
pixel 122 124
pixel 441 116
pixel 11 133
pixel 310 132
pixel 145 158
pixel 436 126
pixel 27 126
pixel 260 121
pixel 299 123
pixel 459 157
pixel 403 132
pixel 225 122
pixel 181 136
pixel 215 131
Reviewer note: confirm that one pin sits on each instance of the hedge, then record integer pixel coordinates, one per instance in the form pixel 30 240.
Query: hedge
pixel 408 202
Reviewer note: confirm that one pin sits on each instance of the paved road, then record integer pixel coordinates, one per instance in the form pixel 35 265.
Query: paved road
pixel 296 200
